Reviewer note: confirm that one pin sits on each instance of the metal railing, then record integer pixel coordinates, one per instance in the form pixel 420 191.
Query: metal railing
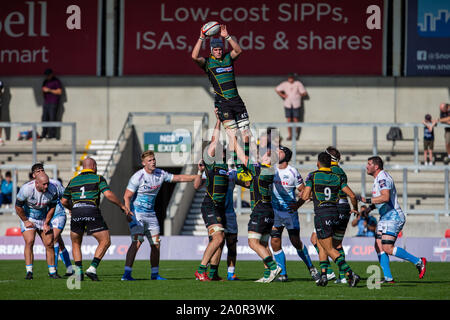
pixel 14 170
pixel 168 115
pixel 34 126
pixel 334 126
pixel 437 212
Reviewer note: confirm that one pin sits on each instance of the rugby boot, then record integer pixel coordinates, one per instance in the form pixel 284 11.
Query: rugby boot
pixel 323 281
pixel 422 267
pixel 127 277
pixel 92 276
pixel 201 276
pixel 314 274
pixel 341 280
pixel 232 277
pixel 274 274
pixel 68 274
pixel 216 277
pixel 29 275
pixel 262 280
pixel 157 277
pixel 353 279
pixel 386 281
pixel 331 276
pixel 282 278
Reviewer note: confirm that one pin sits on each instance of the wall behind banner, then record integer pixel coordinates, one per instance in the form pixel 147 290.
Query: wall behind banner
pixel 277 37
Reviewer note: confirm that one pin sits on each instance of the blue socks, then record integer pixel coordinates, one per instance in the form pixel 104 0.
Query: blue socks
pixel 65 257
pixel 384 263
pixel 56 247
pixel 304 255
pixel 280 258
pixel 405 255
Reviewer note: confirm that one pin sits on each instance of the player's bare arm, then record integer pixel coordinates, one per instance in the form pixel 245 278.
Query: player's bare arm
pixel 183 177
pixel 200 61
pixel 237 50
pixel 198 181
pixel 21 213
pixel 306 193
pixel 48 218
pixel 295 206
pixel 113 198
pixel 352 197
pixel 215 137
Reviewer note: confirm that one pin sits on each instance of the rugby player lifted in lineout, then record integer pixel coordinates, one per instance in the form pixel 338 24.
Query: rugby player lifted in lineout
pixel 219 67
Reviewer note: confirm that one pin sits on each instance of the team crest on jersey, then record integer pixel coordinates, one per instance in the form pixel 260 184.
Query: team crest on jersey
pixel 382 183
pixel 225 114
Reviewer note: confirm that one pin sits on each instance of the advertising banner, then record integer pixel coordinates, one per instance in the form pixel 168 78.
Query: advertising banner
pixel 428 38
pixel 192 248
pixel 59 34
pixel 277 37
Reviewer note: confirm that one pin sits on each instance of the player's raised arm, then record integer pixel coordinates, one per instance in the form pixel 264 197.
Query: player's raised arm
pixel 237 50
pixel 215 137
pixel 199 181
pixel 200 61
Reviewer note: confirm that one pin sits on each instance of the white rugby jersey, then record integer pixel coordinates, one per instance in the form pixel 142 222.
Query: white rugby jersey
pixel 146 187
pixel 389 210
pixel 284 184
pixel 36 204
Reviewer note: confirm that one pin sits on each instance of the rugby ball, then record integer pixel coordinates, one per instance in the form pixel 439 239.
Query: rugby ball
pixel 211 28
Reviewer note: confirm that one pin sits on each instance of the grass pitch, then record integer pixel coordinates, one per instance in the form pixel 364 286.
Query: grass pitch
pixel 182 286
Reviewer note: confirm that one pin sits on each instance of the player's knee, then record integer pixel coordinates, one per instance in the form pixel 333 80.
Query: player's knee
pixel 230 125
pixel 137 239
pixel 313 239
pixel 217 233
pixel 388 247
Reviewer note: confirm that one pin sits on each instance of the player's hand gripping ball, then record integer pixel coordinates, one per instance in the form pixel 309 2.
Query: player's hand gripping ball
pixel 211 28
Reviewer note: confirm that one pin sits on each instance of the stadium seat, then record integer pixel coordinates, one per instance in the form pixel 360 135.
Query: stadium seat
pixel 15 231
pixel 400 234
pixel 447 233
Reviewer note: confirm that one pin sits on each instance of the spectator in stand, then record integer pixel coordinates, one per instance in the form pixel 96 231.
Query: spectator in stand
pixel 292 91
pixel 366 223
pixel 6 189
pixel 428 140
pixel 445 118
pixel 52 91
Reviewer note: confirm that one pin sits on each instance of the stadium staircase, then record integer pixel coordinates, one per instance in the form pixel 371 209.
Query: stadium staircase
pixel 194 225
pixel 100 151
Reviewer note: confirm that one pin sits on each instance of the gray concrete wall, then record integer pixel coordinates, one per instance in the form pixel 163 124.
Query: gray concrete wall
pixel 100 105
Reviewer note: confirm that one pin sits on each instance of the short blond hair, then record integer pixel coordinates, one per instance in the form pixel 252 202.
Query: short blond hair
pixel 146 154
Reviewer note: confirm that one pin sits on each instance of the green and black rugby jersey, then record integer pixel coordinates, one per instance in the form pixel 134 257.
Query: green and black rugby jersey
pixel 261 184
pixel 84 190
pixel 325 186
pixel 221 75
pixel 216 180
pixel 338 170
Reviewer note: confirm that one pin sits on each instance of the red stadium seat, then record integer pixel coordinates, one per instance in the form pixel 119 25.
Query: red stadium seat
pixel 15 231
pixel 400 234
pixel 447 233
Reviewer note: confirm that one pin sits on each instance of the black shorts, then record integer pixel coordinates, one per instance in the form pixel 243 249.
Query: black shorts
pixel 87 220
pixel 261 220
pixel 325 222
pixel 231 109
pixel 342 218
pixel 213 213
pixel 292 113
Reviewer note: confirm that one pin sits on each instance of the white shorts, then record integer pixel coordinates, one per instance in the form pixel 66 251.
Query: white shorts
pixel 58 222
pixel 144 223
pixel 38 225
pixel 390 227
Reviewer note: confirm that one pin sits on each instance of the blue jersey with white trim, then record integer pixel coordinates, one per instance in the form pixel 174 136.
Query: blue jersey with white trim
pixel 388 210
pixel 35 203
pixel 145 187
pixel 284 184
pixel 59 210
